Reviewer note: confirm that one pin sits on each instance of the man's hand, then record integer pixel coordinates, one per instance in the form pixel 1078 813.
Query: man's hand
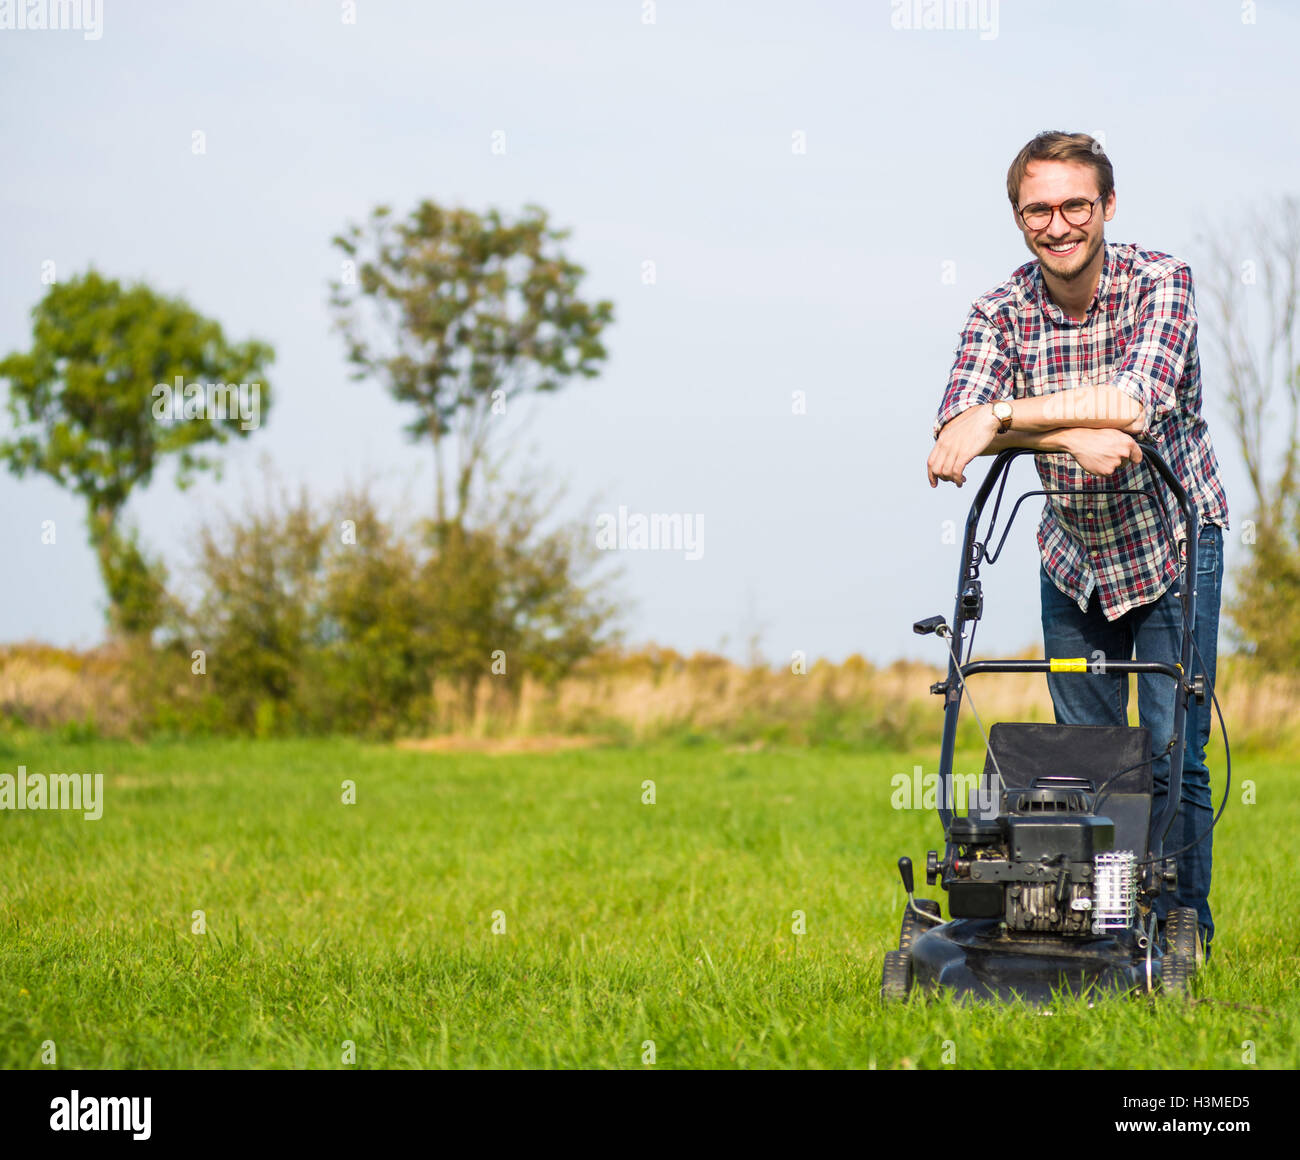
pixel 962 438
pixel 1101 450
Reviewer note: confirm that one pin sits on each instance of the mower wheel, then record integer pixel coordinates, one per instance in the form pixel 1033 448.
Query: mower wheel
pixel 1182 934
pixel 897 980
pixel 1176 973
pixel 914 927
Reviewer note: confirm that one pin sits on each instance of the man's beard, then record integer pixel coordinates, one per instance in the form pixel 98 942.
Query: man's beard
pixel 1071 275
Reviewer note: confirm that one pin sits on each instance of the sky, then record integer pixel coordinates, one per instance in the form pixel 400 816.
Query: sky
pixel 818 188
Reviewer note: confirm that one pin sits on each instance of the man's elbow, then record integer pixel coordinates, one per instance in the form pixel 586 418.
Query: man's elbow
pixel 1130 411
pixel 1131 415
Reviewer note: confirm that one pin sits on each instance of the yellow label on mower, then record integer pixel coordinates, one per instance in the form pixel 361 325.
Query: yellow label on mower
pixel 1069 664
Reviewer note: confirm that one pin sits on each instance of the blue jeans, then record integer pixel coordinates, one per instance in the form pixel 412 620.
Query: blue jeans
pixel 1154 632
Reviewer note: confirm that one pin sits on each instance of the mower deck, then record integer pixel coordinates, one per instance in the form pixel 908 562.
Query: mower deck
pixel 973 957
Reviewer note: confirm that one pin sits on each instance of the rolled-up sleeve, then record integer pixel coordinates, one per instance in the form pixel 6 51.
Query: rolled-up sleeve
pixel 1164 338
pixel 981 370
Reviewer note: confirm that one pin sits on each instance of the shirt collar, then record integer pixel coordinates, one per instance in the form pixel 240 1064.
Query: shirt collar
pixel 1054 312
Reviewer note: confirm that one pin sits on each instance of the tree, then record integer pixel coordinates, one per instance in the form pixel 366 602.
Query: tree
pixel 458 315
pixel 1252 286
pixel 94 405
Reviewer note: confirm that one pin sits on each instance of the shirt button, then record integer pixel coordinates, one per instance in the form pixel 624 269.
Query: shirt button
pixel 1088 516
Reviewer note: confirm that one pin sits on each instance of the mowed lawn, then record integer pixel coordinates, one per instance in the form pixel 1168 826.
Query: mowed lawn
pixel 532 911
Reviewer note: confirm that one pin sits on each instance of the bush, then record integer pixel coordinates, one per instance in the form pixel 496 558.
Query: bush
pixel 373 665
pixel 258 613
pixel 350 623
pixel 1260 604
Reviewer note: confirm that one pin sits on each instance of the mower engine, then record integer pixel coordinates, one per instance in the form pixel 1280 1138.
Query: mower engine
pixel 1045 864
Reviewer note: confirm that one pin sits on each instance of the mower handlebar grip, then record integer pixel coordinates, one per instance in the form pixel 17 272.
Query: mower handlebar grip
pixel 905 869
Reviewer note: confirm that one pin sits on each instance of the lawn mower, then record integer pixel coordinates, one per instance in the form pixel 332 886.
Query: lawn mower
pixel 1052 871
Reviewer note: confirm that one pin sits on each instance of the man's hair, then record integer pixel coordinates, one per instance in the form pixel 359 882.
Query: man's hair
pixel 1054 145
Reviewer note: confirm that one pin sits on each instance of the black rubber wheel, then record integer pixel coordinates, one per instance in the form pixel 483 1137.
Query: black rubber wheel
pixel 1183 934
pixel 1182 951
pixel 896 982
pixel 914 927
pixel 1176 973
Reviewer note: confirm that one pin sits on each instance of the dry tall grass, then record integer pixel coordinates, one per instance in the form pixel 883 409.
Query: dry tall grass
pixel 654 693
pixel 48 688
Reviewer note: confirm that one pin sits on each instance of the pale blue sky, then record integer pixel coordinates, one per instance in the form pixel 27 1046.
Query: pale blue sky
pixel 670 142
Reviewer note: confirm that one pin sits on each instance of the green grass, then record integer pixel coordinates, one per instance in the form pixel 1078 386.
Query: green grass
pixel 624 922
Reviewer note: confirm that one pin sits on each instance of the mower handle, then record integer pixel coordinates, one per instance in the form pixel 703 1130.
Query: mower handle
pixel 968 576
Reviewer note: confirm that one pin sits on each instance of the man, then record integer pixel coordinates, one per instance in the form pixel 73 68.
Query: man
pixel 1078 352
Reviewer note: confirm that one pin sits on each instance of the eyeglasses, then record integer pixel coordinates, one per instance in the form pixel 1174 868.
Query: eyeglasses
pixel 1077 211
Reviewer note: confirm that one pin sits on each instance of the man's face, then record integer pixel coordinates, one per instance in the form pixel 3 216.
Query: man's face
pixel 1054 182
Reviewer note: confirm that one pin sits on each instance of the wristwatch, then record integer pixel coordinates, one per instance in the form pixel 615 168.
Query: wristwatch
pixel 1002 413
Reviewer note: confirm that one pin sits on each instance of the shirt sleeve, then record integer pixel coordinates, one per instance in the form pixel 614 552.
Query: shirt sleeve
pixel 1164 338
pixel 981 371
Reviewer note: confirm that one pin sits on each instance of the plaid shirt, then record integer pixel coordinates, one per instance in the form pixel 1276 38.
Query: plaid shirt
pixel 1139 335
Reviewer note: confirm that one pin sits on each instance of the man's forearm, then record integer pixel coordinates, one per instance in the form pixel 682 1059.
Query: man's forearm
pixel 1056 439
pixel 1103 406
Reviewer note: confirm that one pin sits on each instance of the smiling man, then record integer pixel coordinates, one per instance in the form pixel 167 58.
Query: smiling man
pixel 1079 351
